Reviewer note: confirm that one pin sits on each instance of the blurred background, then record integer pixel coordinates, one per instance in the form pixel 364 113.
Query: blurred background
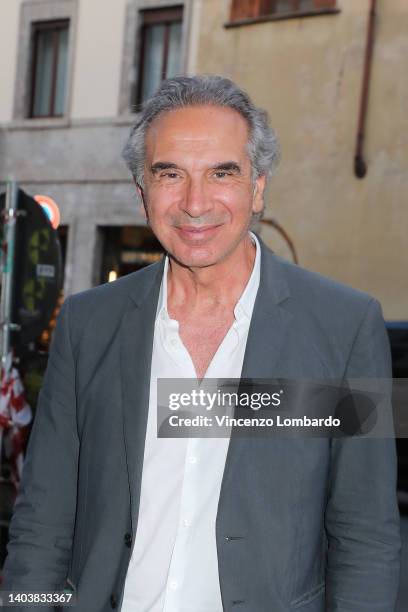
pixel 73 74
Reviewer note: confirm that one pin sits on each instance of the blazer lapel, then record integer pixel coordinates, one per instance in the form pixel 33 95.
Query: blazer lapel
pixel 270 320
pixel 268 331
pixel 136 345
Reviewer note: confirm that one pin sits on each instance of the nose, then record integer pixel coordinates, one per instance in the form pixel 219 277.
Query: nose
pixel 197 201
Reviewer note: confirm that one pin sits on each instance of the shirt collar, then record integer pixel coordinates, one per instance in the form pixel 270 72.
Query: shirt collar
pixel 245 304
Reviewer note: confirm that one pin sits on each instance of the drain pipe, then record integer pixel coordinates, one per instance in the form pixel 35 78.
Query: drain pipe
pixel 360 166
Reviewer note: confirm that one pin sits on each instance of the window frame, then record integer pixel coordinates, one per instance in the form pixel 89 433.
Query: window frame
pixel 32 11
pixel 257 12
pixel 55 25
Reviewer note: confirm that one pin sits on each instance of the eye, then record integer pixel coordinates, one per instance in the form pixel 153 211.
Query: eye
pixel 221 173
pixel 170 175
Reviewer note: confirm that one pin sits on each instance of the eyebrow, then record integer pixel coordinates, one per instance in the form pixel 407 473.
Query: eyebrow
pixel 156 167
pixel 229 166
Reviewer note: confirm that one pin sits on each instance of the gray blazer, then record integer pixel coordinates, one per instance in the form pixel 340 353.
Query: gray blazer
pixel 306 525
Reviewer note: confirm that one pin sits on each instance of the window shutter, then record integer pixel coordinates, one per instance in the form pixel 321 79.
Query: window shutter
pixel 323 4
pixel 250 9
pixel 245 9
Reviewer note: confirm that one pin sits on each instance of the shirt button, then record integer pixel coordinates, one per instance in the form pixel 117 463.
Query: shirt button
pixel 173 585
pixel 173 342
pixel 192 459
pixel 186 522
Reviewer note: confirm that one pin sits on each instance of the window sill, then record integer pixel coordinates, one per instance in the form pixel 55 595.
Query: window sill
pixel 281 17
pixel 66 122
pixel 36 123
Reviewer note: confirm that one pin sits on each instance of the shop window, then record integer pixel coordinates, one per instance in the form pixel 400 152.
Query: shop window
pixel 125 249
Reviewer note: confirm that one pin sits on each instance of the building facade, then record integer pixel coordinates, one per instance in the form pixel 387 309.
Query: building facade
pixel 73 75
pixel 304 61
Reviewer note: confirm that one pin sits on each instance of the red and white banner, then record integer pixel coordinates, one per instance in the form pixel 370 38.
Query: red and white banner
pixel 15 415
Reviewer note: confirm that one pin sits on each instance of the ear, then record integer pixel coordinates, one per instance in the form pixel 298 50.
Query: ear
pixel 259 188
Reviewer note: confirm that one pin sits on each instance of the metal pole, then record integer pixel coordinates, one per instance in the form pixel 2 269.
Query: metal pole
pixel 8 268
pixel 10 215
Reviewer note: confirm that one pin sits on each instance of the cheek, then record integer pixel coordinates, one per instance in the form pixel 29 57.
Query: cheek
pixel 237 201
pixel 158 207
pixel 163 197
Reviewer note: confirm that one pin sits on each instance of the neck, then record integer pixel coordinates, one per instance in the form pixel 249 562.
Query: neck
pixel 220 284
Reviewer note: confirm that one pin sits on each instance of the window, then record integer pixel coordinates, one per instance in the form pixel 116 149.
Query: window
pixel 49 68
pixel 160 54
pixel 253 9
pixel 125 249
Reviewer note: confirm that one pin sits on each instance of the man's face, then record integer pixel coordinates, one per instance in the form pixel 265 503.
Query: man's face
pixel 199 193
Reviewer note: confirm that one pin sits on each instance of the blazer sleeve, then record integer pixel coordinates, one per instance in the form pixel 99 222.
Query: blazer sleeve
pixel 362 518
pixel 41 530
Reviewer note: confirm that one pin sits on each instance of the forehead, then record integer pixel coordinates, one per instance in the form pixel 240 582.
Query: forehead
pixel 209 130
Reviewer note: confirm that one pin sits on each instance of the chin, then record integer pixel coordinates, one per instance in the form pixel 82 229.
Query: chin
pixel 195 258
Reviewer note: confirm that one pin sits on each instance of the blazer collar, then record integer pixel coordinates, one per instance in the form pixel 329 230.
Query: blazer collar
pixel 273 286
pixel 146 285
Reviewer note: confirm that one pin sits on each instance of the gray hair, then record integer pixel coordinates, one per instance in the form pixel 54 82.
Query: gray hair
pixel 178 92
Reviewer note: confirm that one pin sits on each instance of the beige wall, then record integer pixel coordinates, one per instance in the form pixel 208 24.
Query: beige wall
pixel 307 73
pixel 9 15
pixel 98 58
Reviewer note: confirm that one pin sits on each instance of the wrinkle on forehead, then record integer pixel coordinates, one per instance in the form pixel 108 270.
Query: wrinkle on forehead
pixel 156 137
pixel 208 129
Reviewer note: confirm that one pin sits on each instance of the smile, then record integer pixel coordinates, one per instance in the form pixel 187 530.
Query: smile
pixel 195 234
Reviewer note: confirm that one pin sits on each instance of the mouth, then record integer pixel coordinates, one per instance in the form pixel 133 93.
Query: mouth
pixel 197 234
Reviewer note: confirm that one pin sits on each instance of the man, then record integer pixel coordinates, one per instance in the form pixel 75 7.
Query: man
pixel 131 521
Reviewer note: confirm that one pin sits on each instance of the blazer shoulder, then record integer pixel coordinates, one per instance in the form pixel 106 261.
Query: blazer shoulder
pixel 321 292
pixel 328 316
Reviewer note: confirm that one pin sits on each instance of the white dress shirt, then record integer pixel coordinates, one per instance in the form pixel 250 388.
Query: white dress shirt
pixel 174 565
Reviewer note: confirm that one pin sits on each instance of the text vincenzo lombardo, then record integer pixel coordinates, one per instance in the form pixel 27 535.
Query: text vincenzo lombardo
pixel 227 421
